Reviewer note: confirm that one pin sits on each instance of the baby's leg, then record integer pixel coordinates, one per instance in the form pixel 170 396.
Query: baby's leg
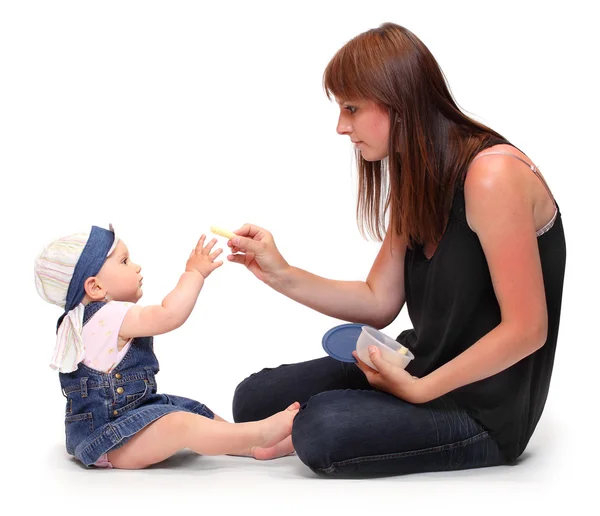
pixel 281 449
pixel 265 439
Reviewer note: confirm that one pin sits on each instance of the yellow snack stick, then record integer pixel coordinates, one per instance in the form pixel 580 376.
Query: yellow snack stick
pixel 223 232
pixel 403 350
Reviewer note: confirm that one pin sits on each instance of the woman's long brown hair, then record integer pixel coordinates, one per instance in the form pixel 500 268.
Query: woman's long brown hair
pixel 431 141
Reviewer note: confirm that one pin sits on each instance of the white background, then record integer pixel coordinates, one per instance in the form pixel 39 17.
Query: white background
pixel 166 117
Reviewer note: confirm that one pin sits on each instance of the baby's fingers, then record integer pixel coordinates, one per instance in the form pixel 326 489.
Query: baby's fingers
pixel 208 248
pixel 216 253
pixel 200 243
pixel 212 266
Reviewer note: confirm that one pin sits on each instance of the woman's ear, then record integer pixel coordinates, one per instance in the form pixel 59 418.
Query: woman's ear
pixel 93 289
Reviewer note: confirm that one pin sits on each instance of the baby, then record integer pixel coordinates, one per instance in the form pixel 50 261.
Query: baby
pixel 104 354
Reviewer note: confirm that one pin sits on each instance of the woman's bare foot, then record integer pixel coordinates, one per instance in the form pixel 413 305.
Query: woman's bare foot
pixel 276 431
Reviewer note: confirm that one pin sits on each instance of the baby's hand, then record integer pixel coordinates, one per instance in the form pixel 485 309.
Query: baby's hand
pixel 202 260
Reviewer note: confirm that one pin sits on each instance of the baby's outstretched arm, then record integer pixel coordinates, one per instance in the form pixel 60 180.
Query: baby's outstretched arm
pixel 178 304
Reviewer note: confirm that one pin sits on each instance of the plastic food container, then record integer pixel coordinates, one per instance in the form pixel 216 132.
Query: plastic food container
pixel 391 350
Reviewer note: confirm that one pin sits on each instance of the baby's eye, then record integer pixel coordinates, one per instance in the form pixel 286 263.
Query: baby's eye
pixel 125 260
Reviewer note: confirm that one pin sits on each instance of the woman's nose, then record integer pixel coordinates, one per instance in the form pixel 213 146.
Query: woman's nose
pixel 343 126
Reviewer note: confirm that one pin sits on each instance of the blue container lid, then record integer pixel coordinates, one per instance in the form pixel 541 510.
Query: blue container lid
pixel 340 341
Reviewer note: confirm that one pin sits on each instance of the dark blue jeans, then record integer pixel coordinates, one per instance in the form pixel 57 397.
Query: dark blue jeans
pixel 346 428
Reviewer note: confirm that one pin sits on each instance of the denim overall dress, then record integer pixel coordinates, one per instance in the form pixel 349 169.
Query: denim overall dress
pixel 105 410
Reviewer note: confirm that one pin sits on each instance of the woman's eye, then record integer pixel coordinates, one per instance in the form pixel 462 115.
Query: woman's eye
pixel 351 109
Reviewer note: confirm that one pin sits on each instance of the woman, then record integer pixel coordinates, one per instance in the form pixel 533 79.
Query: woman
pixel 472 241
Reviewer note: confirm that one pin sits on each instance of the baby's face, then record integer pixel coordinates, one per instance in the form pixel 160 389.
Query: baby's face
pixel 120 277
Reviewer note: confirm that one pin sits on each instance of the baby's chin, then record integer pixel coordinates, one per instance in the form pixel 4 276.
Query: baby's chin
pixel 134 299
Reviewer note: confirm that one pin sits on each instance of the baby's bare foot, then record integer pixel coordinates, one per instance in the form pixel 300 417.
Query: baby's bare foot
pixel 275 430
pixel 281 449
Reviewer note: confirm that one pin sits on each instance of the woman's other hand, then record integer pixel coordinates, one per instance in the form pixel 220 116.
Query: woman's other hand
pixel 392 379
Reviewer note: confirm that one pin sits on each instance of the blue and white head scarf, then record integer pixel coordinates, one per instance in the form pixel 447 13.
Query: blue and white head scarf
pixel 61 270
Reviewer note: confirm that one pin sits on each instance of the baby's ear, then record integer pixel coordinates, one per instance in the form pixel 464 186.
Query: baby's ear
pixel 93 289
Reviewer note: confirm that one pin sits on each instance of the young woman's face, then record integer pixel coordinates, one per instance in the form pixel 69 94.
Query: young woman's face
pixel 368 126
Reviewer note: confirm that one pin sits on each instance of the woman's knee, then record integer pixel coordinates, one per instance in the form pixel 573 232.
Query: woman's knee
pixel 320 432
pixel 245 404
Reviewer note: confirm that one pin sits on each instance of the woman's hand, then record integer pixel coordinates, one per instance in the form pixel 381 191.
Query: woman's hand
pixel 392 379
pixel 255 248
